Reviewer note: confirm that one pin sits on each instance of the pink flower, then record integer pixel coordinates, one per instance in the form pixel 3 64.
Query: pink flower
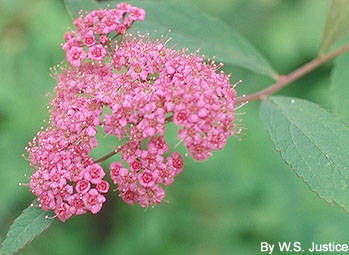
pixel 102 187
pixel 158 145
pixel 136 165
pixel 94 173
pixel 76 55
pixel 93 201
pixel 120 28
pixel 68 36
pixel 83 186
pixel 103 39
pixel 71 42
pixel 180 117
pixel 166 175
pixel 130 151
pixel 147 178
pixel 97 52
pixel 89 38
pixel 63 211
pixel 114 170
pixel 58 178
pixel 39 182
pixel 77 205
pixel 110 21
pixel 129 196
pixel 126 179
pixel 91 131
pixel 124 7
pixel 47 201
pixel 176 161
pixel 137 13
pixel 76 172
pixel 152 196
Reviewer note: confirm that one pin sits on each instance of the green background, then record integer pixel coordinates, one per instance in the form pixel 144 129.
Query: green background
pixel 241 196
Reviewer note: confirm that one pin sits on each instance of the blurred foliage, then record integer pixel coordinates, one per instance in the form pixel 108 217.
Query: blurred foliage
pixel 241 196
pixel 337 24
pixel 339 87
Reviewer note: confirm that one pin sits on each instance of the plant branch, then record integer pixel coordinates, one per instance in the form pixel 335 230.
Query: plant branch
pixel 285 80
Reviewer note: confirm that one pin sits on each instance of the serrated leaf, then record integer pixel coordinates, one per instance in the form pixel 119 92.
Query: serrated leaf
pixel 24 229
pixel 313 143
pixel 340 87
pixel 336 25
pixel 193 29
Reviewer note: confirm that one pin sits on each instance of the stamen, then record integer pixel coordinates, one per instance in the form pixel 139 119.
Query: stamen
pixel 241 105
pixel 51 218
pixel 237 83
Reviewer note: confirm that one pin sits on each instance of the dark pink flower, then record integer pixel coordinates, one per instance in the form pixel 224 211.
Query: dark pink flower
pixel 136 165
pixel 102 187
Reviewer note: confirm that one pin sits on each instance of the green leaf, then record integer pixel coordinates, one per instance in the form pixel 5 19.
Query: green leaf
pixel 25 228
pixel 336 25
pixel 340 87
pixel 313 143
pixel 193 29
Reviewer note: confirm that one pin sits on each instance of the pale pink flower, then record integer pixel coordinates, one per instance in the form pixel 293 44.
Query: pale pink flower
pixel 151 195
pixel 137 13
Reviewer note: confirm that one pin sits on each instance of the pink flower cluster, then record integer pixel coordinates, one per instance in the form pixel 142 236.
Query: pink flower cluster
pixel 95 29
pixel 138 88
pixel 148 169
pixel 66 179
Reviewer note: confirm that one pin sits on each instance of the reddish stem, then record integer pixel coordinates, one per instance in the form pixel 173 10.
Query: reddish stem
pixel 110 154
pixel 285 80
